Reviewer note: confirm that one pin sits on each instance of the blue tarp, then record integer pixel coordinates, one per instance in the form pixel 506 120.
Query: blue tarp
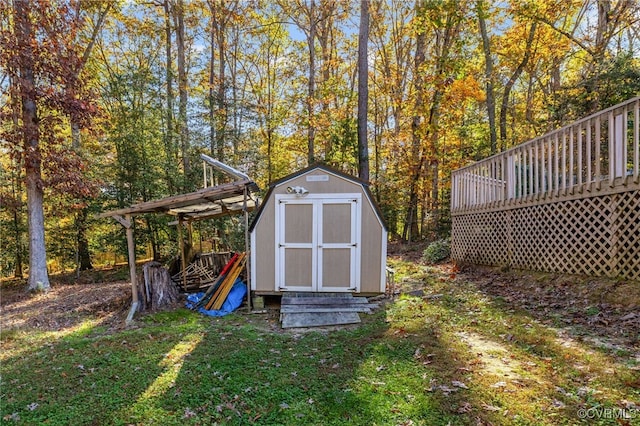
pixel 233 302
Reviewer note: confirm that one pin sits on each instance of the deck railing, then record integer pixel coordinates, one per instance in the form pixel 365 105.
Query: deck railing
pixel 595 155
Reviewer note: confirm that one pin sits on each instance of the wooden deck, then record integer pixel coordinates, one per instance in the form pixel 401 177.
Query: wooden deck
pixel 568 201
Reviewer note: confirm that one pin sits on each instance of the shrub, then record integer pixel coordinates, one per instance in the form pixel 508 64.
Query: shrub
pixel 437 251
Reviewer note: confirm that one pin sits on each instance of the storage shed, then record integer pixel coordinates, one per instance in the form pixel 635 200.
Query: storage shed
pixel 318 230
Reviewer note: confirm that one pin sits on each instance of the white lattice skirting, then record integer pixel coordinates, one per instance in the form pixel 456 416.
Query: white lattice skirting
pixel 598 236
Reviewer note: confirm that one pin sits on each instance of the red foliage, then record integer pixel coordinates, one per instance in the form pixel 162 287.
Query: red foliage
pixel 54 54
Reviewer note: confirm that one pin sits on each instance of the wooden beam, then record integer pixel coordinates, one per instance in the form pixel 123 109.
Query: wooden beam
pixel 124 222
pixel 211 194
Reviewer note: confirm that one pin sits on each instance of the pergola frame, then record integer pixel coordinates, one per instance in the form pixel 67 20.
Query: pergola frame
pixel 207 203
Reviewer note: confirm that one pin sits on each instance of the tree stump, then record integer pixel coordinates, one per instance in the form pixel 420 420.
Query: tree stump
pixel 156 290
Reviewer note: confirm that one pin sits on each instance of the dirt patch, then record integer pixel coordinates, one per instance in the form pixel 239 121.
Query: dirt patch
pixel 64 305
pixel 495 357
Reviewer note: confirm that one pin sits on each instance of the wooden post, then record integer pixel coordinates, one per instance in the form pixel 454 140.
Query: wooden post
pixel 182 258
pixel 204 173
pixel 247 247
pixel 131 248
pixel 580 163
pixel 612 149
pixel 636 142
pixel 556 165
pixel 598 157
pixel 571 176
pixel 589 157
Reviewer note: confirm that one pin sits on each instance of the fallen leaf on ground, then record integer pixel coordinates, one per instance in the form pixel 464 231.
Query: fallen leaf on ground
pixel 488 407
pixel 465 408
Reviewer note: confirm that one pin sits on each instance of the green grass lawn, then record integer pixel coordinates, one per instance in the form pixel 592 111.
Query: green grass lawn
pixel 453 356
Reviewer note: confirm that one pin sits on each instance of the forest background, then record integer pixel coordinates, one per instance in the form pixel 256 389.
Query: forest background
pixel 108 103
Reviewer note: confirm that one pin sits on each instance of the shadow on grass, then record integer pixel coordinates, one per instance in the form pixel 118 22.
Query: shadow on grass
pixel 81 376
pixel 554 378
pixel 389 370
pixel 415 361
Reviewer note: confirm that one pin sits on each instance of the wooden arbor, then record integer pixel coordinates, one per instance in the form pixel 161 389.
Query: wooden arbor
pixel 235 197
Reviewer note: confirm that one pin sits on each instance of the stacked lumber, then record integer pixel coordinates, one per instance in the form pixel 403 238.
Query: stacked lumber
pixel 217 293
pixel 202 272
pixel 322 309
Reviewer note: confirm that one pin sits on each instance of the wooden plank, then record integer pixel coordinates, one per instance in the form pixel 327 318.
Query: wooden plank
pixel 321 300
pixel 229 281
pixel 183 200
pixel 319 319
pixel 318 309
pixel 316 294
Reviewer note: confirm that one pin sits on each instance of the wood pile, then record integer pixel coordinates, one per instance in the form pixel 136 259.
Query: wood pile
pixel 217 293
pixel 202 272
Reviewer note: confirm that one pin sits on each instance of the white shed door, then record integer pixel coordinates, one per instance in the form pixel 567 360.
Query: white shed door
pixel 318 243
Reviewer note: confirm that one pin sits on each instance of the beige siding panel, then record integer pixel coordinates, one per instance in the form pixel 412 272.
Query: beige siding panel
pixel 265 278
pixel 335 185
pixel 370 255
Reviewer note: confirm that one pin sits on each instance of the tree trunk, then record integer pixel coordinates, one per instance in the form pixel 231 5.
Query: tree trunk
pixel 182 91
pixel 38 275
pixel 84 256
pixel 411 231
pixel 311 130
pixel 504 105
pixel 168 137
pixel 363 91
pixel 156 291
pixel 151 231
pixel 488 74
pixel 221 96
pixel 212 79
